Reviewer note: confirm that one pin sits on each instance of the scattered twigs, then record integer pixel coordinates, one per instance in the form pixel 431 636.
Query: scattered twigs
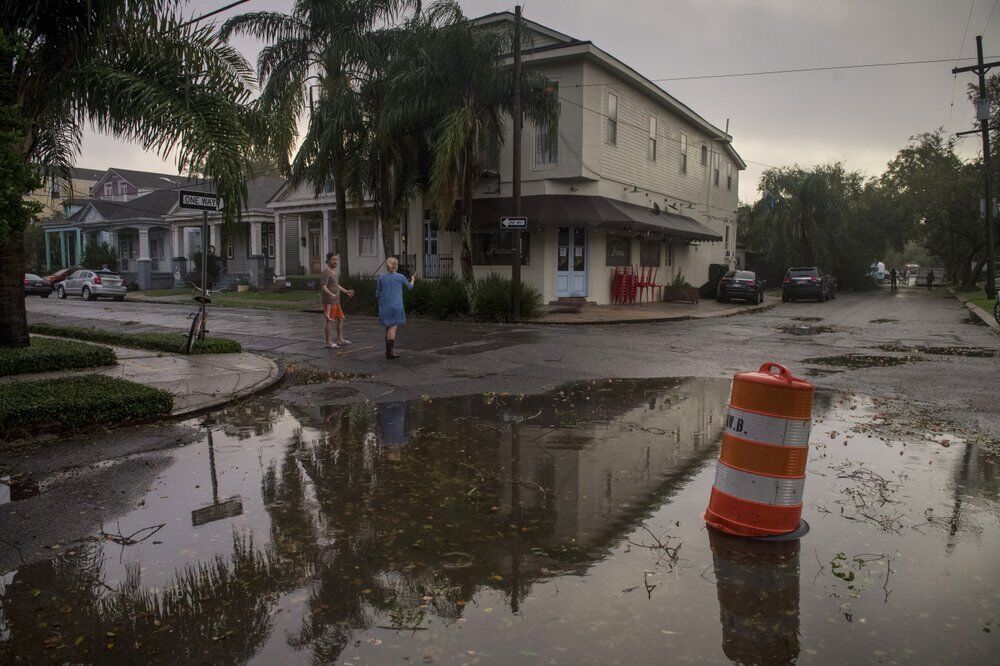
pixel 131 539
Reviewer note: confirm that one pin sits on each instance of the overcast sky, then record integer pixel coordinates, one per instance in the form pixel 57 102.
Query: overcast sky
pixel 858 116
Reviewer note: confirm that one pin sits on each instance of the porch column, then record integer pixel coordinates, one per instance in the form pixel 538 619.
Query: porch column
pixel 279 250
pixel 177 243
pixel 255 239
pixel 325 235
pixel 215 239
pixel 48 254
pixel 79 247
pixel 303 250
pixel 63 250
pixel 145 262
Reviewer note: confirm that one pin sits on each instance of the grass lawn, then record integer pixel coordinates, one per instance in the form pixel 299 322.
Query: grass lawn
pixel 70 403
pixel 165 342
pixel 177 291
pixel 281 300
pixel 979 298
pixel 48 354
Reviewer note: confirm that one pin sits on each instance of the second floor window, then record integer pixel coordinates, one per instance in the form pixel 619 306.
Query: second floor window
pixel 547 137
pixel 651 152
pixel 729 175
pixel 704 155
pixel 684 153
pixel 366 236
pixel 612 119
pixel 715 170
pixel 107 189
pixel 122 187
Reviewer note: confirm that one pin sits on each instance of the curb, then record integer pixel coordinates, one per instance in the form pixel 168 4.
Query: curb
pixel 655 320
pixel 986 317
pixel 273 377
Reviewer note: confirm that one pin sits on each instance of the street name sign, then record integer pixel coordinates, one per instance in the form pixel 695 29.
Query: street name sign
pixel 513 223
pixel 198 200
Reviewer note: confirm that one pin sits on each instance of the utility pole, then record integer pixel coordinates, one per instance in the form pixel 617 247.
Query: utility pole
pixel 515 234
pixel 983 116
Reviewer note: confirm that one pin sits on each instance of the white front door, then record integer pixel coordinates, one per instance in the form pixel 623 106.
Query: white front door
pixel 432 267
pixel 571 262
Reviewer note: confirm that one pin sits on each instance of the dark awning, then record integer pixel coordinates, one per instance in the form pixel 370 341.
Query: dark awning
pixel 591 211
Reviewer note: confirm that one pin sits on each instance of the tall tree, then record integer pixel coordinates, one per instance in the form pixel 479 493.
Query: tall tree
pixel 317 58
pixel 131 69
pixel 453 80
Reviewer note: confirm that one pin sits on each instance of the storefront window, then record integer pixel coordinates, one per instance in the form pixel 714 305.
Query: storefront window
pixel 493 248
pixel 649 253
pixel 619 251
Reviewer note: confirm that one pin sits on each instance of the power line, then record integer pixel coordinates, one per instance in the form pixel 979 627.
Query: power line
pixel 211 13
pixel 987 28
pixel 790 71
pixel 954 80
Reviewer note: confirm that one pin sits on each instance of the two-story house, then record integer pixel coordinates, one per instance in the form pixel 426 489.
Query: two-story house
pixel 633 177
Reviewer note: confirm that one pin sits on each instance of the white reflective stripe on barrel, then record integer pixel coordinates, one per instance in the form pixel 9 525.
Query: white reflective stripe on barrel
pixel 768 429
pixel 781 491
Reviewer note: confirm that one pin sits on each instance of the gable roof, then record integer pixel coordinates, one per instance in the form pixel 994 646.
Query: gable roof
pixel 152 180
pixel 575 47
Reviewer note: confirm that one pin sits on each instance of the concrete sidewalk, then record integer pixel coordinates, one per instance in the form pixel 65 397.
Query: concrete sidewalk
pixel 650 313
pixel 197 382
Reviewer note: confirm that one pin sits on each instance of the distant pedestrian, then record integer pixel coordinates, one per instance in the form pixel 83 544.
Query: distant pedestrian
pixel 893 278
pixel 389 292
pixel 930 279
pixel 906 278
pixel 329 285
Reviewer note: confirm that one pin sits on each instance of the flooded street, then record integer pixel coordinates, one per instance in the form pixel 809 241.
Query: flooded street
pixel 559 528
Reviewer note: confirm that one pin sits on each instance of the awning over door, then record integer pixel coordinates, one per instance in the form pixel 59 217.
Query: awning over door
pixel 591 211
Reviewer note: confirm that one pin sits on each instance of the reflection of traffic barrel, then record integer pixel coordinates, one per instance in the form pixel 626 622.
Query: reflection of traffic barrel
pixel 758 587
pixel 761 471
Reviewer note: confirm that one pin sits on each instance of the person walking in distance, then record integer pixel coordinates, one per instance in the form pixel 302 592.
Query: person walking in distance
pixel 894 278
pixel 329 285
pixel 930 279
pixel 389 292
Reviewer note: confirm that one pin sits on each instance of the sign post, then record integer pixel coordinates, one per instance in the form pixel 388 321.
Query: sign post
pixel 203 201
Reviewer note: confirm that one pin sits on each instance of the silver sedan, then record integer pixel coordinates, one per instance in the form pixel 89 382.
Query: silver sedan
pixel 92 285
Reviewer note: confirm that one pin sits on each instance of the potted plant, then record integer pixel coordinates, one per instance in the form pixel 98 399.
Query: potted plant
pixel 242 285
pixel 680 290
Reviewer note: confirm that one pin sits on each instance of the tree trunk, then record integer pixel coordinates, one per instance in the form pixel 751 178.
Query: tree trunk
pixel 467 273
pixel 13 316
pixel 387 221
pixel 340 227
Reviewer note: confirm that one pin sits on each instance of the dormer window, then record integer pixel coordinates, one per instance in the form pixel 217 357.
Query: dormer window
pixel 108 189
pixel 122 187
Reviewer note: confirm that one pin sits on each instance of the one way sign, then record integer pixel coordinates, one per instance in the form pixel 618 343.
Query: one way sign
pixel 513 223
pixel 198 200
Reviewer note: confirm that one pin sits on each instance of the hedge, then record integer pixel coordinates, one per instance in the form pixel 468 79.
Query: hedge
pixel 493 299
pixel 165 342
pixel 76 402
pixel 46 354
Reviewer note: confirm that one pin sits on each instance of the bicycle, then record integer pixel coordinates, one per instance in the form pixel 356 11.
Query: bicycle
pixel 199 318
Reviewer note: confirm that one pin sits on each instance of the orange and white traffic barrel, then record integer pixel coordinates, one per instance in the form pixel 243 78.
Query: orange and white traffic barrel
pixel 761 472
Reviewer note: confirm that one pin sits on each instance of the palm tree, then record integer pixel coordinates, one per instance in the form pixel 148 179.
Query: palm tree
pixel 453 80
pixel 135 71
pixel 318 58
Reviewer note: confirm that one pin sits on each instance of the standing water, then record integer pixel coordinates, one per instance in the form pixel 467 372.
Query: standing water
pixel 559 528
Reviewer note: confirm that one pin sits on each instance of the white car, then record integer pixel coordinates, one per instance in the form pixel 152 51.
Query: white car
pixel 92 285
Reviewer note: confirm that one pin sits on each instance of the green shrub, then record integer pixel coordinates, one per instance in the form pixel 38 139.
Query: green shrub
pixel 418 300
pixel 363 303
pixel 46 354
pixel 98 255
pixel 165 342
pixel 76 402
pixel 493 299
pixel 448 298
pixel 214 269
pixel 302 282
pixel 680 280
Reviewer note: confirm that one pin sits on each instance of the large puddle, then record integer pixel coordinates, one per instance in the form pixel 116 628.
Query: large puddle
pixel 559 528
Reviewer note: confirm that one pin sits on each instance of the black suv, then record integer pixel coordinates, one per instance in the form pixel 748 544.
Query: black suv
pixel 740 284
pixel 809 282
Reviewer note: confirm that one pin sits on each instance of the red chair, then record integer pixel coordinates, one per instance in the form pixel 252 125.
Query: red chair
pixel 647 284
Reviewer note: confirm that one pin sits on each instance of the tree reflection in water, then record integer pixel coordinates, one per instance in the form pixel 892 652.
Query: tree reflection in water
pixel 390 518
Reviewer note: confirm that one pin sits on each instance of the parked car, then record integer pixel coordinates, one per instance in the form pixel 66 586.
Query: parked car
pixel 744 285
pixel 92 285
pixel 60 275
pixel 36 286
pixel 807 282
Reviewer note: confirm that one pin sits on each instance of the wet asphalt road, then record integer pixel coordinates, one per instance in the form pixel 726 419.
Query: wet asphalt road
pixel 91 478
pixel 455 358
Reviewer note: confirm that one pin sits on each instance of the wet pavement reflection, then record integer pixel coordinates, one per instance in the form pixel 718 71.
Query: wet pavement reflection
pixel 564 527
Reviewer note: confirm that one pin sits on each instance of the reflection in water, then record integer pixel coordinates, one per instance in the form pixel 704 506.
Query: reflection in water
pixel 504 525
pixel 758 586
